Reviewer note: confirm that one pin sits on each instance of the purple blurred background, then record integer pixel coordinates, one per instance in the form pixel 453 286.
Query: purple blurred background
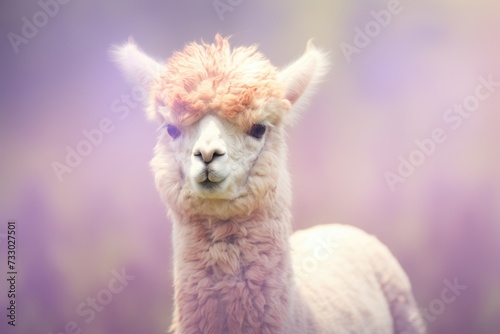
pixel 442 222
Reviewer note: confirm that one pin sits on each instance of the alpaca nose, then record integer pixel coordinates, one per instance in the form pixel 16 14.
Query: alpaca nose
pixel 209 144
pixel 209 152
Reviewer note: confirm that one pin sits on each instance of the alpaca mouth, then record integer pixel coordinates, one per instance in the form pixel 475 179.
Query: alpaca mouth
pixel 208 181
pixel 207 184
pixel 209 178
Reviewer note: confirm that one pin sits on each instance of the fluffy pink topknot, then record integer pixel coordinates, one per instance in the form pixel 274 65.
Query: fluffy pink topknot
pixel 233 83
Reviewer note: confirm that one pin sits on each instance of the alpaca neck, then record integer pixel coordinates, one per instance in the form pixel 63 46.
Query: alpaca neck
pixel 232 276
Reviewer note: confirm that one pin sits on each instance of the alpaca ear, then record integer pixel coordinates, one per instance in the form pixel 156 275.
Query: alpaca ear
pixel 138 68
pixel 302 76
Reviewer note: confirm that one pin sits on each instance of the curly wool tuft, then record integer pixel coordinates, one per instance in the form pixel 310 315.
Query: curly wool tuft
pixel 233 83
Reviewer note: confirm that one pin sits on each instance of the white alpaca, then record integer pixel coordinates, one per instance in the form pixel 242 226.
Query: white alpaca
pixel 220 166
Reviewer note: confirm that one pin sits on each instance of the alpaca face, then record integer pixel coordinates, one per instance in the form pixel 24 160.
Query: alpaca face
pixel 217 168
pixel 215 156
pixel 221 151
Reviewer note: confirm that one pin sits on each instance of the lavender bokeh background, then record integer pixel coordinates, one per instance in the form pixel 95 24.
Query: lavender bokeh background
pixel 441 223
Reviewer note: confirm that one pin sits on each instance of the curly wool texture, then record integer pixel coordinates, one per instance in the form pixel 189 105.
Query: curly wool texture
pixel 233 83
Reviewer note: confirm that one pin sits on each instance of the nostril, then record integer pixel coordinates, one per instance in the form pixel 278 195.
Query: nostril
pixel 218 153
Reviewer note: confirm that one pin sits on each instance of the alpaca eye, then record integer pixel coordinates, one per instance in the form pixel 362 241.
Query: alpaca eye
pixel 257 130
pixel 173 131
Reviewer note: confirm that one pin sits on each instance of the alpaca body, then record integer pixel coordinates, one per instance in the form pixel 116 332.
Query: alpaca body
pixel 220 165
pixel 338 264
pixel 239 278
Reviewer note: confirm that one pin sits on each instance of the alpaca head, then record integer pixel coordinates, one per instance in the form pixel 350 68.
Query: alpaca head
pixel 221 151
